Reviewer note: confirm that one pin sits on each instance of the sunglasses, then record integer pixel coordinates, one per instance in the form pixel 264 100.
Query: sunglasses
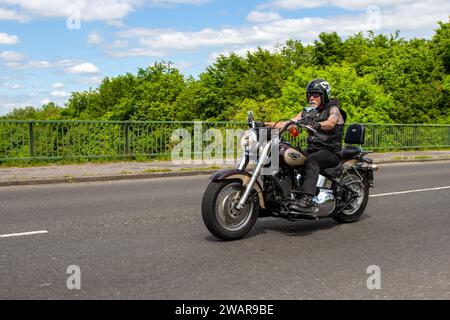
pixel 314 94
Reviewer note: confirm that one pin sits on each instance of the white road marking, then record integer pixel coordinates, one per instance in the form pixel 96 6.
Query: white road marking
pixel 409 191
pixel 23 234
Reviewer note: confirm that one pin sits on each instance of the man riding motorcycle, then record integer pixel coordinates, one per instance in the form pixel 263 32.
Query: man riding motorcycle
pixel 324 146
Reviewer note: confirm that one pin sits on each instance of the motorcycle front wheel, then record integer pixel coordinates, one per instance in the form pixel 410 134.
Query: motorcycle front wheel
pixel 219 211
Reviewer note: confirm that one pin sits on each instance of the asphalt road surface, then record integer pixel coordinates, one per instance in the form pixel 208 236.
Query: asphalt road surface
pixel 146 240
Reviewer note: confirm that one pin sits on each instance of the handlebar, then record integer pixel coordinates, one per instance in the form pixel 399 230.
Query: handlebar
pixel 287 124
pixel 250 119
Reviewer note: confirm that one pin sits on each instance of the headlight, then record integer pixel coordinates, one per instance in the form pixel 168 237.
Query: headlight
pixel 249 140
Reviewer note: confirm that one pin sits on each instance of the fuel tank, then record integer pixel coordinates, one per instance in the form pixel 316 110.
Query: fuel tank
pixel 291 156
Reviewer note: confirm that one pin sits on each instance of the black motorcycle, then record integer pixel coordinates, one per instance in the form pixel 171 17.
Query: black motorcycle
pixel 235 198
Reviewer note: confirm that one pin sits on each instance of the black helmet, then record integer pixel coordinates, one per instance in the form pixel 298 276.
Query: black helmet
pixel 321 86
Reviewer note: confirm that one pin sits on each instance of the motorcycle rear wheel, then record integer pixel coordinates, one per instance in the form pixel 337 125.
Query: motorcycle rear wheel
pixel 219 214
pixel 356 208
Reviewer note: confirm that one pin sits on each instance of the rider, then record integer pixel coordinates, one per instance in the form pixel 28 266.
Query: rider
pixel 323 147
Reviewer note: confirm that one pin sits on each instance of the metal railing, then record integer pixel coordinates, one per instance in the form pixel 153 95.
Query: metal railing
pixel 54 140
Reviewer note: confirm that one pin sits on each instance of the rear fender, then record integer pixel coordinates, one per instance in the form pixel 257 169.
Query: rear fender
pixel 244 176
pixel 364 169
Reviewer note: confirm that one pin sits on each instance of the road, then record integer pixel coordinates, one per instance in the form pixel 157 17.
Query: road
pixel 146 240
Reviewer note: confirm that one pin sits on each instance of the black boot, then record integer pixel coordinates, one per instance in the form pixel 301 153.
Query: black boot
pixel 304 205
pixel 306 201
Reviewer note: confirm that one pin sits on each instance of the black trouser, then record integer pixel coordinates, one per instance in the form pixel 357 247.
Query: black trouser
pixel 317 159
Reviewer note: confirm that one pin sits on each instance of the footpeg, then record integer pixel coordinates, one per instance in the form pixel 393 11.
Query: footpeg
pixel 303 215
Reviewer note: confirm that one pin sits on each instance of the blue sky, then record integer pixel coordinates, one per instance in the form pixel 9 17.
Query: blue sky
pixel 50 49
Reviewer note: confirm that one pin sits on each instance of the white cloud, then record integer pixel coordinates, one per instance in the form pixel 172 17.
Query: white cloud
pixel 65 63
pixel 8 39
pixel 343 4
pixel 94 38
pixel 143 32
pixel 425 16
pixel 240 51
pixel 195 40
pixel 21 100
pixel 261 17
pixel 14 65
pixel 115 23
pixel 120 44
pixel 39 64
pixel 19 65
pixel 42 64
pixel 111 11
pixel 59 94
pixel 179 1
pixel 102 10
pixel 45 101
pixel 90 80
pixel 13 86
pixel 58 85
pixel 395 16
pixel 173 3
pixel 11 101
pixel 7 14
pixel 84 68
pixel 136 52
pixel 183 65
pixel 11 56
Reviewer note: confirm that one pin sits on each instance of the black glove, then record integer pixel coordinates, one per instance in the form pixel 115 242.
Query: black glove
pixel 315 125
pixel 305 121
pixel 259 124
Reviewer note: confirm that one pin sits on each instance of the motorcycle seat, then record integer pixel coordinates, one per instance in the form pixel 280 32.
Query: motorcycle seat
pixel 349 152
pixel 334 172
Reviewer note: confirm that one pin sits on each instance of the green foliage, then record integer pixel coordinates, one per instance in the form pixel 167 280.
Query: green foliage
pixel 150 95
pixel 441 44
pixel 267 109
pixel 408 72
pixel 376 77
pixel 328 49
pixel 360 97
pixel 48 111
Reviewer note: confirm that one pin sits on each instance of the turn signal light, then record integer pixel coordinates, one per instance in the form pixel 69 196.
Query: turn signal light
pixel 294 132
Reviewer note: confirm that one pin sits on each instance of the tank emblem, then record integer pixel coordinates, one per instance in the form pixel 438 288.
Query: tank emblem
pixel 294 156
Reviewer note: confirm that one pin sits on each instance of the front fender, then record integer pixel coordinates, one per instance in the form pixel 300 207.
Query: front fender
pixel 244 176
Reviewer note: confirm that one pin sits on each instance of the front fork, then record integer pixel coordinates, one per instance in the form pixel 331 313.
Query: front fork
pixel 263 158
pixel 244 161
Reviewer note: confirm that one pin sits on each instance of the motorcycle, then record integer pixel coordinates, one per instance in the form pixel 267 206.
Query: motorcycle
pixel 236 198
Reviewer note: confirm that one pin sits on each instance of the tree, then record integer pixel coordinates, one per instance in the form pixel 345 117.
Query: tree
pixel 221 86
pixel 25 113
pixel 441 45
pixel 328 49
pixel 83 105
pixel 377 77
pixel 156 92
pixel 363 100
pixel 49 111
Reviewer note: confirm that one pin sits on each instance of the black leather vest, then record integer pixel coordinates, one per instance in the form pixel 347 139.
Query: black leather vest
pixel 328 140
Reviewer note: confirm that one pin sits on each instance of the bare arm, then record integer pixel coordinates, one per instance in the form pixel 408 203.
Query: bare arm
pixel 334 119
